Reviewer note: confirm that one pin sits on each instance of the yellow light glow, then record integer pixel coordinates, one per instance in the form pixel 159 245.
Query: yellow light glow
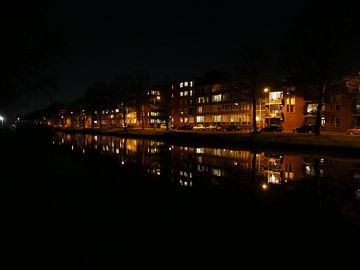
pixel 158 97
pixel 266 90
pixel 264 186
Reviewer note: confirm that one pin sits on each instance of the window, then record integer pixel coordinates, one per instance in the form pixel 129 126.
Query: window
pixel 201 100
pixel 186 84
pixel 199 119
pixel 191 93
pixel 323 121
pixel 200 109
pixel 311 108
pixel 186 119
pixel 152 120
pixel 181 85
pixel 290 102
pixel 191 83
pixel 275 96
pixel 199 151
pixel 217 118
pixel 172 95
pixel 181 120
pixel 337 107
pixel 216 98
pixel 181 94
pixel 186 93
pixel 337 122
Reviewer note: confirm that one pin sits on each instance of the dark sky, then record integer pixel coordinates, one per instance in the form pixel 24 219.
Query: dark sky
pixel 168 39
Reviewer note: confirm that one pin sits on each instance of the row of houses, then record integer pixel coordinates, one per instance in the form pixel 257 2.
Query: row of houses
pixel 216 102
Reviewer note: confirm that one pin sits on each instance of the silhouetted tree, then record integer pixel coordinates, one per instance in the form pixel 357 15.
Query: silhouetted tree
pixel 96 96
pixel 122 90
pixel 253 72
pixel 27 51
pixel 321 48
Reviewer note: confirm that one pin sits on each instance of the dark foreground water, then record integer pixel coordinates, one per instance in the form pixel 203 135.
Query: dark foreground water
pixel 138 197
pixel 85 196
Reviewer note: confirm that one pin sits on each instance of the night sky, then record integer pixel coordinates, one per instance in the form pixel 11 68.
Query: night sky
pixel 169 39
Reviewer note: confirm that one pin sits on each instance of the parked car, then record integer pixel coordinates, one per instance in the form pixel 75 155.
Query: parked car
pixel 199 127
pixel 354 131
pixel 305 129
pixel 213 127
pixel 272 128
pixel 232 128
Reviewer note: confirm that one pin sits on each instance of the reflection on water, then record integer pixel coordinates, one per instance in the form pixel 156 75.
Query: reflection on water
pixel 190 166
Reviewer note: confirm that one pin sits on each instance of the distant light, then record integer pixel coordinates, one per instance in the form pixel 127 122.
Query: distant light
pixel 266 90
pixel 72 147
pixel 122 162
pixel 1 118
pixel 83 151
pixel 71 112
pixel 264 187
pixel 116 110
pixel 257 118
pixel 236 104
pixel 158 97
pixel 158 173
pixel 17 119
pixel 95 121
pixel 83 110
pixel 169 148
pixel 235 163
pixel 117 151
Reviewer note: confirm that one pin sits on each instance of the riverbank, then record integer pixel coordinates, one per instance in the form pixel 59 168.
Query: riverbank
pixel 340 144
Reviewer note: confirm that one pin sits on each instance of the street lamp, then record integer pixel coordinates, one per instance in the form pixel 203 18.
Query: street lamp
pixel 2 121
pixel 266 91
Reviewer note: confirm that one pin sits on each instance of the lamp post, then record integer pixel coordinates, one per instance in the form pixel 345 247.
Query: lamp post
pixel 266 91
pixel 2 121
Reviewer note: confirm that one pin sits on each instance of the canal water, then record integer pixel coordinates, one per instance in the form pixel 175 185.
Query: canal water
pixel 141 197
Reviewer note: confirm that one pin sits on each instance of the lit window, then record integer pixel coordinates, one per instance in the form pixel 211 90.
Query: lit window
pixel 152 120
pixel 116 110
pixel 181 94
pixel 200 109
pixel 186 84
pixel 112 116
pixel 201 100
pixel 181 120
pixel 191 93
pixel 181 85
pixel 185 93
pixel 199 150
pixel 192 83
pixel 323 121
pixel 172 95
pixel 311 108
pixel 186 120
pixel 216 172
pixel 217 118
pixel 216 98
pixel 199 119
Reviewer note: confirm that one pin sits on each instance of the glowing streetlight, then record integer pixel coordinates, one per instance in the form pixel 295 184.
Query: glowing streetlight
pixel 266 90
pixel 2 121
pixel 158 97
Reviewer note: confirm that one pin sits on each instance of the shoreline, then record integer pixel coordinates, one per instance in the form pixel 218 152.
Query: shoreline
pixel 339 145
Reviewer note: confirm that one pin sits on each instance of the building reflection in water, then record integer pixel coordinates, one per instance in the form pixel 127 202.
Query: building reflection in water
pixel 188 167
